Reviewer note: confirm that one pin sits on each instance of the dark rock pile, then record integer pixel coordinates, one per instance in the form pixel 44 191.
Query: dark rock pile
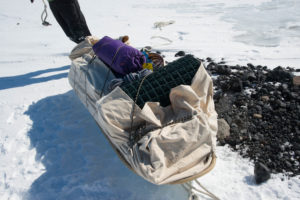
pixel 262 108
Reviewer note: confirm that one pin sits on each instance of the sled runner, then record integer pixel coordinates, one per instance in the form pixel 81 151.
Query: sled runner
pixel 163 126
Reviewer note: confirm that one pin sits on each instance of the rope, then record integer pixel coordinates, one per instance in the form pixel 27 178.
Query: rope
pixel 108 72
pixel 193 190
pixel 44 15
pixel 131 139
pixel 163 38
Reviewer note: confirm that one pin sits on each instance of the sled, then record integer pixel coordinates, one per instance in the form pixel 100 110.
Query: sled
pixel 165 143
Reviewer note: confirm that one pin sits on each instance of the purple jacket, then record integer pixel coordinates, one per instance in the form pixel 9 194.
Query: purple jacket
pixel 120 57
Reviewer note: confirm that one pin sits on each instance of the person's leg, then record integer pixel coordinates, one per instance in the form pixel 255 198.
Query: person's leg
pixel 72 15
pixel 60 20
pixel 82 19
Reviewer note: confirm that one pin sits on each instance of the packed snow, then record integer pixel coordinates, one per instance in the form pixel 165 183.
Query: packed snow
pixel 50 146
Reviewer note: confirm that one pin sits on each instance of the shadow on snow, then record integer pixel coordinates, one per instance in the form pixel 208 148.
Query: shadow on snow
pixel 30 78
pixel 79 162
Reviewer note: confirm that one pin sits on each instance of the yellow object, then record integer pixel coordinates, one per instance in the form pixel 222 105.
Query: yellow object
pixel 148 66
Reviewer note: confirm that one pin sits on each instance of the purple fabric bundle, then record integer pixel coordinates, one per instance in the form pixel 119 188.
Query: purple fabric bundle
pixel 121 58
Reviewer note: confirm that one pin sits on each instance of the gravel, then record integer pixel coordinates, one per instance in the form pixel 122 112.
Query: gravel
pixel 262 108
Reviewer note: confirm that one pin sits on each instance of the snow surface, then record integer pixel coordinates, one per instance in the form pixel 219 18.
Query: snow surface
pixel 50 146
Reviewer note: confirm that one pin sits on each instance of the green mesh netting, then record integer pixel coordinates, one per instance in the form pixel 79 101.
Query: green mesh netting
pixel 156 87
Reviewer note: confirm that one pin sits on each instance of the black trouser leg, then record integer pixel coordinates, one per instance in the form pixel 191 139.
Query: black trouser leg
pixel 70 18
pixel 59 18
pixel 83 24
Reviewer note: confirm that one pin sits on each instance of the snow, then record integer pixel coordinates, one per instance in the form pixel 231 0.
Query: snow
pixel 50 146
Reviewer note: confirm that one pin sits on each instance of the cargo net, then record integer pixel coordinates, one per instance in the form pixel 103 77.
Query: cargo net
pixel 156 87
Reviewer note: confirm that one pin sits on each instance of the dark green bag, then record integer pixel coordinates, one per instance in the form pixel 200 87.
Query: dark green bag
pixel 156 86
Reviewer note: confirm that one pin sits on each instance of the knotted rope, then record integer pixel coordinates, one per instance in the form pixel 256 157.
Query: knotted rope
pixel 44 15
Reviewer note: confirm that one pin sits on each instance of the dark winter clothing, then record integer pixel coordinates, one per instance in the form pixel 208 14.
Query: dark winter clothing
pixel 70 18
pixel 129 78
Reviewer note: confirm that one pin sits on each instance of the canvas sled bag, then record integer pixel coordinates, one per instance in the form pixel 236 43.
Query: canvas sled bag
pixel 178 139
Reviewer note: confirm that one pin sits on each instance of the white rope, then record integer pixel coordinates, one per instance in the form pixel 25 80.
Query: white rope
pixel 193 190
pixel 163 38
pixel 192 195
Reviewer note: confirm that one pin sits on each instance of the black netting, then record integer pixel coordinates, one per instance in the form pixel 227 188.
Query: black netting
pixel 157 86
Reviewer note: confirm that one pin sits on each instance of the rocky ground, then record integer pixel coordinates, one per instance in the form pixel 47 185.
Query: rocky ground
pixel 260 108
